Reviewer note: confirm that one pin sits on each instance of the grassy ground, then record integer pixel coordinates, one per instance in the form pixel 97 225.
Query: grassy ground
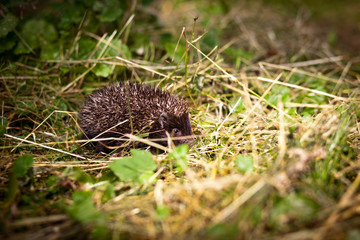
pixel 274 107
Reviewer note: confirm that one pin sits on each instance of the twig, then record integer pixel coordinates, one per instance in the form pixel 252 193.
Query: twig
pixel 51 148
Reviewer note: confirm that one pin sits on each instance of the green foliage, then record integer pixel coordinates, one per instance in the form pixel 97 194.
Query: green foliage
pixel 77 35
pixel 137 169
pixel 223 231
pixel 20 169
pixel 237 55
pixel 179 154
pixel 7 39
pixel 244 163
pixel 50 51
pixel 72 13
pixel 100 232
pixel 285 95
pixel 25 107
pixel 294 208
pixel 51 184
pixel 85 48
pixel 22 164
pixel 77 174
pixel 108 10
pixel 36 33
pixel 83 209
pixel 55 25
pixel 238 104
pixel 112 49
pixel 278 93
pixel 211 39
pixel 162 212
pixel 109 192
pixel 103 70
pixel 7 25
pixel 175 51
pixel 339 147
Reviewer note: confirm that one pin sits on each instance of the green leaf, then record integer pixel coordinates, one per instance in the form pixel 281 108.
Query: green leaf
pixel 99 232
pixel 124 49
pixel 50 52
pixel 211 38
pixel 71 14
pixel 223 231
pixel 278 93
pixel 3 125
pixel 62 106
pixel 238 52
pixel 98 6
pixel 180 155
pixel 180 51
pixel 113 49
pixel 86 47
pixel 110 14
pixel 83 209
pixel 52 184
pixel 103 70
pixel 22 164
pixel 25 107
pixel 64 69
pixel 239 103
pixel 109 11
pixel 162 211
pixel 35 33
pixel 79 175
pixel 138 168
pixel 244 163
pixel 109 193
pixel 7 24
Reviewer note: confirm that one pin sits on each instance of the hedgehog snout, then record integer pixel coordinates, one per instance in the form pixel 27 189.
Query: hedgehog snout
pixel 189 140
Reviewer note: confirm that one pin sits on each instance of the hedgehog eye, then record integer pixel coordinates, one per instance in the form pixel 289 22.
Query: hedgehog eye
pixel 175 131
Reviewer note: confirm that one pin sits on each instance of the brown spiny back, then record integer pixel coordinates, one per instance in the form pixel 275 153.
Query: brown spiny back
pixel 109 106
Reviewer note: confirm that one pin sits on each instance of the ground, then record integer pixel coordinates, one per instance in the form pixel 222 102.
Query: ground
pixel 273 97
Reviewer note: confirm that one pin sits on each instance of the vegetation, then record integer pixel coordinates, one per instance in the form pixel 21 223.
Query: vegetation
pixel 274 107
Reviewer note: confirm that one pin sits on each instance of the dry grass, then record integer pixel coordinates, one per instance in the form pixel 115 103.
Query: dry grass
pixel 305 178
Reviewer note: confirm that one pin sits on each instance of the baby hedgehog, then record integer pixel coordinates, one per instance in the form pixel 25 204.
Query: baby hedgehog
pixel 106 114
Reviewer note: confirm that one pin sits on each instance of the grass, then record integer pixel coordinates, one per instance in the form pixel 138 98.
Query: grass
pixel 277 153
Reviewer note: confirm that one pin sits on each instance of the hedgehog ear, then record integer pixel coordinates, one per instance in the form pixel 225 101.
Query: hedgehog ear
pixel 163 119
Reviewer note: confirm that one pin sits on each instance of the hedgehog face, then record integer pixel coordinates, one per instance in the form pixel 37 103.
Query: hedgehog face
pixel 177 127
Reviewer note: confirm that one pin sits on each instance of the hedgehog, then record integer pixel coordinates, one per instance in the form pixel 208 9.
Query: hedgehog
pixel 138 109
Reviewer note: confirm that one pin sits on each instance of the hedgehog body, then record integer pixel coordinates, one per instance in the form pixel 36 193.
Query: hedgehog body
pixel 127 108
